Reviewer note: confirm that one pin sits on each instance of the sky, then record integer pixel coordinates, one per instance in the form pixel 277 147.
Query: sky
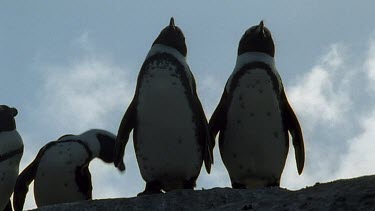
pixel 71 66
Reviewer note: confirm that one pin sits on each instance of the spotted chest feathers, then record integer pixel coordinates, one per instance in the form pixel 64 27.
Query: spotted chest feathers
pixel 255 141
pixel 59 167
pixel 166 132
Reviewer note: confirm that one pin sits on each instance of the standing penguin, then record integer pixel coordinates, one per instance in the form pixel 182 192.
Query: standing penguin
pixel 254 116
pixel 171 136
pixel 61 169
pixel 11 150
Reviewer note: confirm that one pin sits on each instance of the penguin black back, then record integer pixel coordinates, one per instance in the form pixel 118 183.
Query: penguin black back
pixel 7 115
pixel 257 39
pixel 172 36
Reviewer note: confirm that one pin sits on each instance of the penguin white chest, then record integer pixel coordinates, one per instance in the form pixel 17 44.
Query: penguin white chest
pixel 167 138
pixel 55 181
pixel 254 143
pixel 10 141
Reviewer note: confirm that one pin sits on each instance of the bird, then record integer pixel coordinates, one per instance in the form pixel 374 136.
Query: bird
pixel 11 151
pixel 60 170
pixel 171 135
pixel 254 116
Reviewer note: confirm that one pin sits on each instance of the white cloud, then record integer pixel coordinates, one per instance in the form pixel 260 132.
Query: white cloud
pixel 370 62
pixel 85 91
pixel 321 98
pixel 83 94
pixel 210 89
pixel 322 93
pixel 332 93
pixel 89 92
pixel 360 157
pixel 94 92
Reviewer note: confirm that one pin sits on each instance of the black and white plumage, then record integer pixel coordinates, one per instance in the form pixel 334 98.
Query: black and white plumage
pixel 11 150
pixel 254 116
pixel 61 168
pixel 171 136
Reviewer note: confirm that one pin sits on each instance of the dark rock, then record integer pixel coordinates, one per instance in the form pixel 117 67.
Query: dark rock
pixel 350 194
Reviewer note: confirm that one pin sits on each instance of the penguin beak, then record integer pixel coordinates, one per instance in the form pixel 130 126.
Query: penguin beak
pixel 171 24
pixel 261 28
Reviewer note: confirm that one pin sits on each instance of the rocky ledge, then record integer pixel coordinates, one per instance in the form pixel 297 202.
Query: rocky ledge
pixel 348 194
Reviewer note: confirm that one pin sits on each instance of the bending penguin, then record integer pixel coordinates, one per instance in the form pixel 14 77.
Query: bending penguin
pixel 11 150
pixel 61 169
pixel 254 116
pixel 171 136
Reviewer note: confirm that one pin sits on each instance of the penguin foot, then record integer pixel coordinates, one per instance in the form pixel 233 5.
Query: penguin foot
pixel 274 184
pixel 149 192
pixel 153 187
pixel 8 207
pixel 190 184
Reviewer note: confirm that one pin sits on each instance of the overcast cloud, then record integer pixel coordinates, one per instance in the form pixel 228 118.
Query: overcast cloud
pixel 324 99
pixel 360 156
pixel 88 92
pixel 94 92
pixel 71 66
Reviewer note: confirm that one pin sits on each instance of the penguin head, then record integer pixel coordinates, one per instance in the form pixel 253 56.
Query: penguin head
pixel 257 39
pixel 107 144
pixel 172 36
pixel 7 121
pixel 107 147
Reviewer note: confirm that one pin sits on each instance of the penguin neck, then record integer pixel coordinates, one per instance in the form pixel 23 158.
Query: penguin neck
pixel 8 126
pixel 250 57
pixel 92 142
pixel 10 140
pixel 160 48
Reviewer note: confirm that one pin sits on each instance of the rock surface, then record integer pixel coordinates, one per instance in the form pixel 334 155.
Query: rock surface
pixel 350 194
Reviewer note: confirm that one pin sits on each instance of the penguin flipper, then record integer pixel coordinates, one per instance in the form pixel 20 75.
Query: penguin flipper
pixel 217 120
pixel 127 124
pixel 23 181
pixel 208 141
pixel 83 180
pixel 295 131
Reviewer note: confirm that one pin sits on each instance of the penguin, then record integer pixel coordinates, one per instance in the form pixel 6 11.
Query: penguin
pixel 60 170
pixel 254 116
pixel 171 136
pixel 11 151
